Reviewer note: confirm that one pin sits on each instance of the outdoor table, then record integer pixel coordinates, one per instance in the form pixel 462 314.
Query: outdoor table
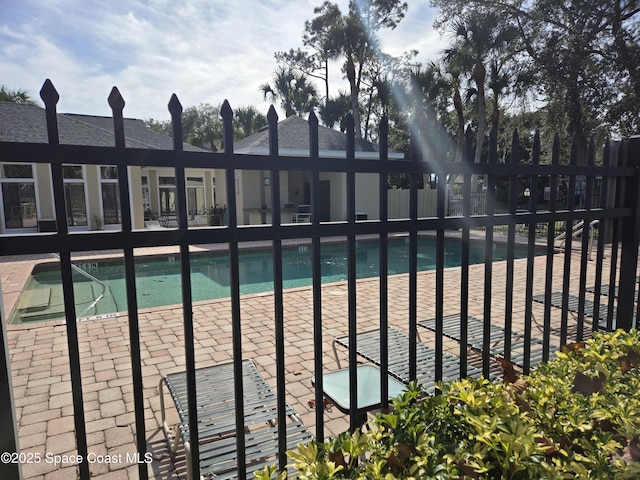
pixel 335 386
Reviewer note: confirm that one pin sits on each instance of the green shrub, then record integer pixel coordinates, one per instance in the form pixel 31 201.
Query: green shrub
pixel 577 416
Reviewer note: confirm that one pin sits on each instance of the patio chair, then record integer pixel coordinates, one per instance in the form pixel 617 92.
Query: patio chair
pixel 475 336
pixel 216 420
pixel 604 291
pixel 303 215
pixel 574 305
pixel 368 347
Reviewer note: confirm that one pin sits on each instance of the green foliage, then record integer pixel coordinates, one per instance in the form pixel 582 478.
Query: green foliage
pixel 215 215
pixel 16 96
pixel 576 417
pixel 202 125
pixel 296 94
pixel 577 61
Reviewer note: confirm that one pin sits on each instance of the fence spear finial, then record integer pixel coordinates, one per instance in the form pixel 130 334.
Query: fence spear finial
pixel 49 94
pixel 50 97
pixel 175 109
pixel 116 102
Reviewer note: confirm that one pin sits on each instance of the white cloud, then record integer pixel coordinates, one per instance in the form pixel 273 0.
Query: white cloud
pixel 202 50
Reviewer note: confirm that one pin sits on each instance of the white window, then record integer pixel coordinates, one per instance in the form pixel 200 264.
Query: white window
pixel 18 195
pixel 74 195
pixel 110 196
pixel 195 195
pixel 167 190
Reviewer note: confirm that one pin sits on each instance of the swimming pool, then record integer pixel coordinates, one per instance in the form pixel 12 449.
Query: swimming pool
pixel 100 288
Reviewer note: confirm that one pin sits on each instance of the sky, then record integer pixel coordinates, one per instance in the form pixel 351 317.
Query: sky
pixel 204 51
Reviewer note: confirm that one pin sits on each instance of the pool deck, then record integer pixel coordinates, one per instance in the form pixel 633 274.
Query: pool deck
pixel 40 368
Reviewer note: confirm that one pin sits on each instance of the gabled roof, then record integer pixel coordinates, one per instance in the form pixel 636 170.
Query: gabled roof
pixel 293 139
pixel 27 123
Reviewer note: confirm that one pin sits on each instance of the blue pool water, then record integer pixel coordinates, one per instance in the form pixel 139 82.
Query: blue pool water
pixel 158 279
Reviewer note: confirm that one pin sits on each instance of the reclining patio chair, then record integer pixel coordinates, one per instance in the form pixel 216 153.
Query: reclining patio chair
pixel 368 347
pixel 475 336
pixel 216 420
pixel 574 305
pixel 604 291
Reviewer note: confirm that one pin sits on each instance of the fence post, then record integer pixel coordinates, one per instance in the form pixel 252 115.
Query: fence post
pixel 630 233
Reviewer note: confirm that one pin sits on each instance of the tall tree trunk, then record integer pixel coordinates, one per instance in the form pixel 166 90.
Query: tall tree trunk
pixel 326 80
pixel 495 115
pixel 479 74
pixel 355 94
pixel 457 103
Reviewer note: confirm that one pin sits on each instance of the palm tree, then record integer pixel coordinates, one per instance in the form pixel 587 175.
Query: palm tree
pixel 293 90
pixel 450 72
pixel 498 83
pixel 247 121
pixel 334 110
pixel 16 96
pixel 479 36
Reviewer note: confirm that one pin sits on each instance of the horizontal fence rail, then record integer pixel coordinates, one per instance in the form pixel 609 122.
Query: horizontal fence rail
pixel 533 219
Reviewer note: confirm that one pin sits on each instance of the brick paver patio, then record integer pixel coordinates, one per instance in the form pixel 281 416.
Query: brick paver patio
pixel 41 378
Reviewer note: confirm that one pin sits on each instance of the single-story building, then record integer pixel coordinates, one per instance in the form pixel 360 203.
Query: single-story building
pixel 26 193
pixel 293 140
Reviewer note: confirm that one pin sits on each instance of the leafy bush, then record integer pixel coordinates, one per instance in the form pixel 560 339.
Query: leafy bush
pixel 577 416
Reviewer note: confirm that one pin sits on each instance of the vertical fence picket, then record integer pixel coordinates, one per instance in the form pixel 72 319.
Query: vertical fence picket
pixel 568 250
pixel 351 275
pixel 465 254
pixel 234 281
pixel 488 254
pixel 511 246
pixel 603 234
pixel 617 159
pixel 551 231
pixel 116 102
pixel 383 239
pixel 630 234
pixel 278 298
pixel 439 310
pixel 587 232
pixel 531 246
pixel 175 109
pixel 413 265
pixel 316 273
pixel 50 98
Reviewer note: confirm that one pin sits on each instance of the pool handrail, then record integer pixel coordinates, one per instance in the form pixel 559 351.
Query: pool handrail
pixel 104 286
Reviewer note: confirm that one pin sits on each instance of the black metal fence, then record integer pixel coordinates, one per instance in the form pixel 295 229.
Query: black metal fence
pixel 616 178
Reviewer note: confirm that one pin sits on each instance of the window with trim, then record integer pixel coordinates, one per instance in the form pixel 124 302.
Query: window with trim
pixel 167 190
pixel 74 195
pixel 195 195
pixel 110 197
pixel 18 195
pixel 146 199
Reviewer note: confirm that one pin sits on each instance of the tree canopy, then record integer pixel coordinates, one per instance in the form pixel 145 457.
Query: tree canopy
pixel 571 67
pixel 202 125
pixel 578 62
pixel 16 96
pixel 351 39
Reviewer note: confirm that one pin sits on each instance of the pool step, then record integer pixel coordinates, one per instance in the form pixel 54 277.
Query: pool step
pixel 35 299
pixel 54 309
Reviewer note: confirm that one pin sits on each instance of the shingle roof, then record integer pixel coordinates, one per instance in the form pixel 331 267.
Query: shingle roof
pixel 27 123
pixel 293 134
